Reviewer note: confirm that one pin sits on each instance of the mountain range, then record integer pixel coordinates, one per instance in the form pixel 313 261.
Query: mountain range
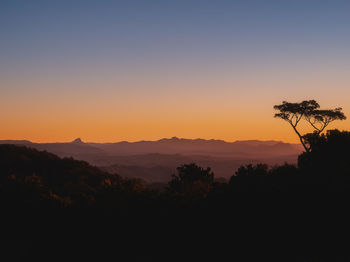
pixel 155 161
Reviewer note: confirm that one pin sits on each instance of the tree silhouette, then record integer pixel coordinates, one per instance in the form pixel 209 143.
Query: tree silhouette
pixel 192 181
pixel 250 170
pixel 309 111
pixel 320 119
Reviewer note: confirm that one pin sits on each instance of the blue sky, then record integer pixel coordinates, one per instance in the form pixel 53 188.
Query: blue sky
pixel 34 33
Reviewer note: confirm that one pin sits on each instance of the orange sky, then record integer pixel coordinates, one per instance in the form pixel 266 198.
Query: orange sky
pixel 116 70
pixel 200 112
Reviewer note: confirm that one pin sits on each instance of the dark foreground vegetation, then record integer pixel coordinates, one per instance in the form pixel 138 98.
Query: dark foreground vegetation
pixel 57 209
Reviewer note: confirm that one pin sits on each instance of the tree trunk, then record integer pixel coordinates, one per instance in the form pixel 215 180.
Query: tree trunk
pixel 301 139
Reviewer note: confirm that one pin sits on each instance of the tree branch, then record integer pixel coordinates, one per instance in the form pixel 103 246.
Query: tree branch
pixel 301 139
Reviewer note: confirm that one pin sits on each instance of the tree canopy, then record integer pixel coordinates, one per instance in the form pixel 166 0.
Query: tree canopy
pixel 310 111
pixel 191 181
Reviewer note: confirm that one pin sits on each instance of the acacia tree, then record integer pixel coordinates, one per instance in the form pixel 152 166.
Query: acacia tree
pixel 320 119
pixel 309 111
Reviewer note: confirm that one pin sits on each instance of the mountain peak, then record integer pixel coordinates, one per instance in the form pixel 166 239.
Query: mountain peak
pixel 77 141
pixel 173 139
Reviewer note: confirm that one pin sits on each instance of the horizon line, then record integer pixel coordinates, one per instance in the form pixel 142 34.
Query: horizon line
pixel 78 139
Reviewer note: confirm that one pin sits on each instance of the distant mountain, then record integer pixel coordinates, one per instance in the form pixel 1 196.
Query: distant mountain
pixel 200 147
pixel 77 141
pixel 76 149
pixel 15 142
pixel 155 161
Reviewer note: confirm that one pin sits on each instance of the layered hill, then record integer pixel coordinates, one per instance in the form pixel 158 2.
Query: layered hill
pixel 155 161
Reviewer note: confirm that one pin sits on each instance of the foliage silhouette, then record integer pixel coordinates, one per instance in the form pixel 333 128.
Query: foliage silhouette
pixel 328 162
pixel 192 181
pixel 29 174
pixel 320 119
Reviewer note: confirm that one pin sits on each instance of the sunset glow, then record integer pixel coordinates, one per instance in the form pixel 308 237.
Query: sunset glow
pixel 144 70
pixel 174 130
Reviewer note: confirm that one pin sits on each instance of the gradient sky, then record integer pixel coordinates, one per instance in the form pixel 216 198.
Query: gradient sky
pixel 133 70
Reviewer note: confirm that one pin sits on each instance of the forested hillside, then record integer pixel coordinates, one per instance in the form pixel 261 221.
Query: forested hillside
pixel 78 207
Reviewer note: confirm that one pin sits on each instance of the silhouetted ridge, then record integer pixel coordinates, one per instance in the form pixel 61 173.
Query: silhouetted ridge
pixel 45 178
pixel 136 159
pixel 15 142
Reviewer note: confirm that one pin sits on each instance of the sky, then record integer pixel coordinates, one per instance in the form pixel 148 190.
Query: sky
pixel 144 70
